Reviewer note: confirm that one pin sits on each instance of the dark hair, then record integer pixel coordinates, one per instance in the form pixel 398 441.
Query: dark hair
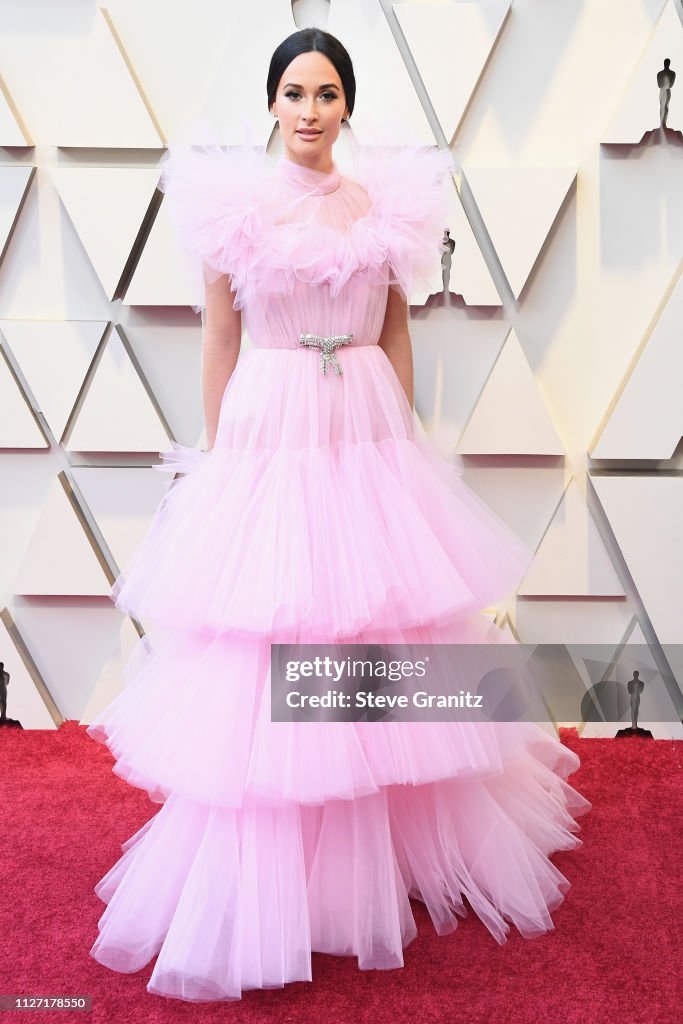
pixel 304 41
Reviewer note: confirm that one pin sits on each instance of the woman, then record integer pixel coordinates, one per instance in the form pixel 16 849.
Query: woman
pixel 318 514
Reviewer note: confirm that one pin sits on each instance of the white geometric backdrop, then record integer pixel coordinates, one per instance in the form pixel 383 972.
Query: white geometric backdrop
pixel 551 361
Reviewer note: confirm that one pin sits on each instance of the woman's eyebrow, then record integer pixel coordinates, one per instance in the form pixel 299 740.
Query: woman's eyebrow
pixel 327 86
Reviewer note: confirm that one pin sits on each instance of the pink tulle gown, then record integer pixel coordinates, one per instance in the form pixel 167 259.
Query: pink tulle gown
pixel 322 513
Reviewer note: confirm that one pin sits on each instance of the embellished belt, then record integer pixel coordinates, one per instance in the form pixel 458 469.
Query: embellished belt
pixel 326 347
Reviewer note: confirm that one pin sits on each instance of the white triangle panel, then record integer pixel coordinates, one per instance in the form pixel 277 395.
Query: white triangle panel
pixel 469 274
pixel 391 111
pixel 568 621
pixel 646 516
pixel 102 106
pixel 54 357
pixel 107 206
pixel 638 111
pixel 11 131
pixel 168 353
pixel 519 206
pixel 122 502
pixel 46 274
pixel 510 417
pixel 632 431
pixel 18 426
pixel 14 182
pixel 59 559
pixel 162 276
pixel 452 360
pixel 571 560
pixel 450 44
pixel 117 413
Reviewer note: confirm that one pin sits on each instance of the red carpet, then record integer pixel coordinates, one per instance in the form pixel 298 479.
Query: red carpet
pixel 614 955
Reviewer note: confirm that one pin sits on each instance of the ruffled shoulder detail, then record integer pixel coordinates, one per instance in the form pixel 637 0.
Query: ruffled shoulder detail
pixel 215 202
pixel 233 215
pixel 410 189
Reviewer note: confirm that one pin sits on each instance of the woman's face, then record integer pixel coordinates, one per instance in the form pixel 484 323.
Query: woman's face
pixel 310 95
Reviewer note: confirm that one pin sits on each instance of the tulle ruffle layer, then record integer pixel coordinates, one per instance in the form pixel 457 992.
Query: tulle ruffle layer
pixel 328 517
pixel 194 719
pixel 233 214
pixel 235 899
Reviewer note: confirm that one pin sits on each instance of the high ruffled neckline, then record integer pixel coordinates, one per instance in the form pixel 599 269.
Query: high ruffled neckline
pixel 308 179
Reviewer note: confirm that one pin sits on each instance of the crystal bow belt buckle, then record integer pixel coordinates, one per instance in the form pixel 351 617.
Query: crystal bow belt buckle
pixel 327 347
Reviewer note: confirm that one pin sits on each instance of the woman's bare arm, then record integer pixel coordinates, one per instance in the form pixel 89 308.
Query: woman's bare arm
pixel 396 342
pixel 221 340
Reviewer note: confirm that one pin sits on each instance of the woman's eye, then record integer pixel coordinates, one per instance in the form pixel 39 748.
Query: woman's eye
pixel 292 95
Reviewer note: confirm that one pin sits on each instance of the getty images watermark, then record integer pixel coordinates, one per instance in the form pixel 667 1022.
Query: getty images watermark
pixel 479 682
